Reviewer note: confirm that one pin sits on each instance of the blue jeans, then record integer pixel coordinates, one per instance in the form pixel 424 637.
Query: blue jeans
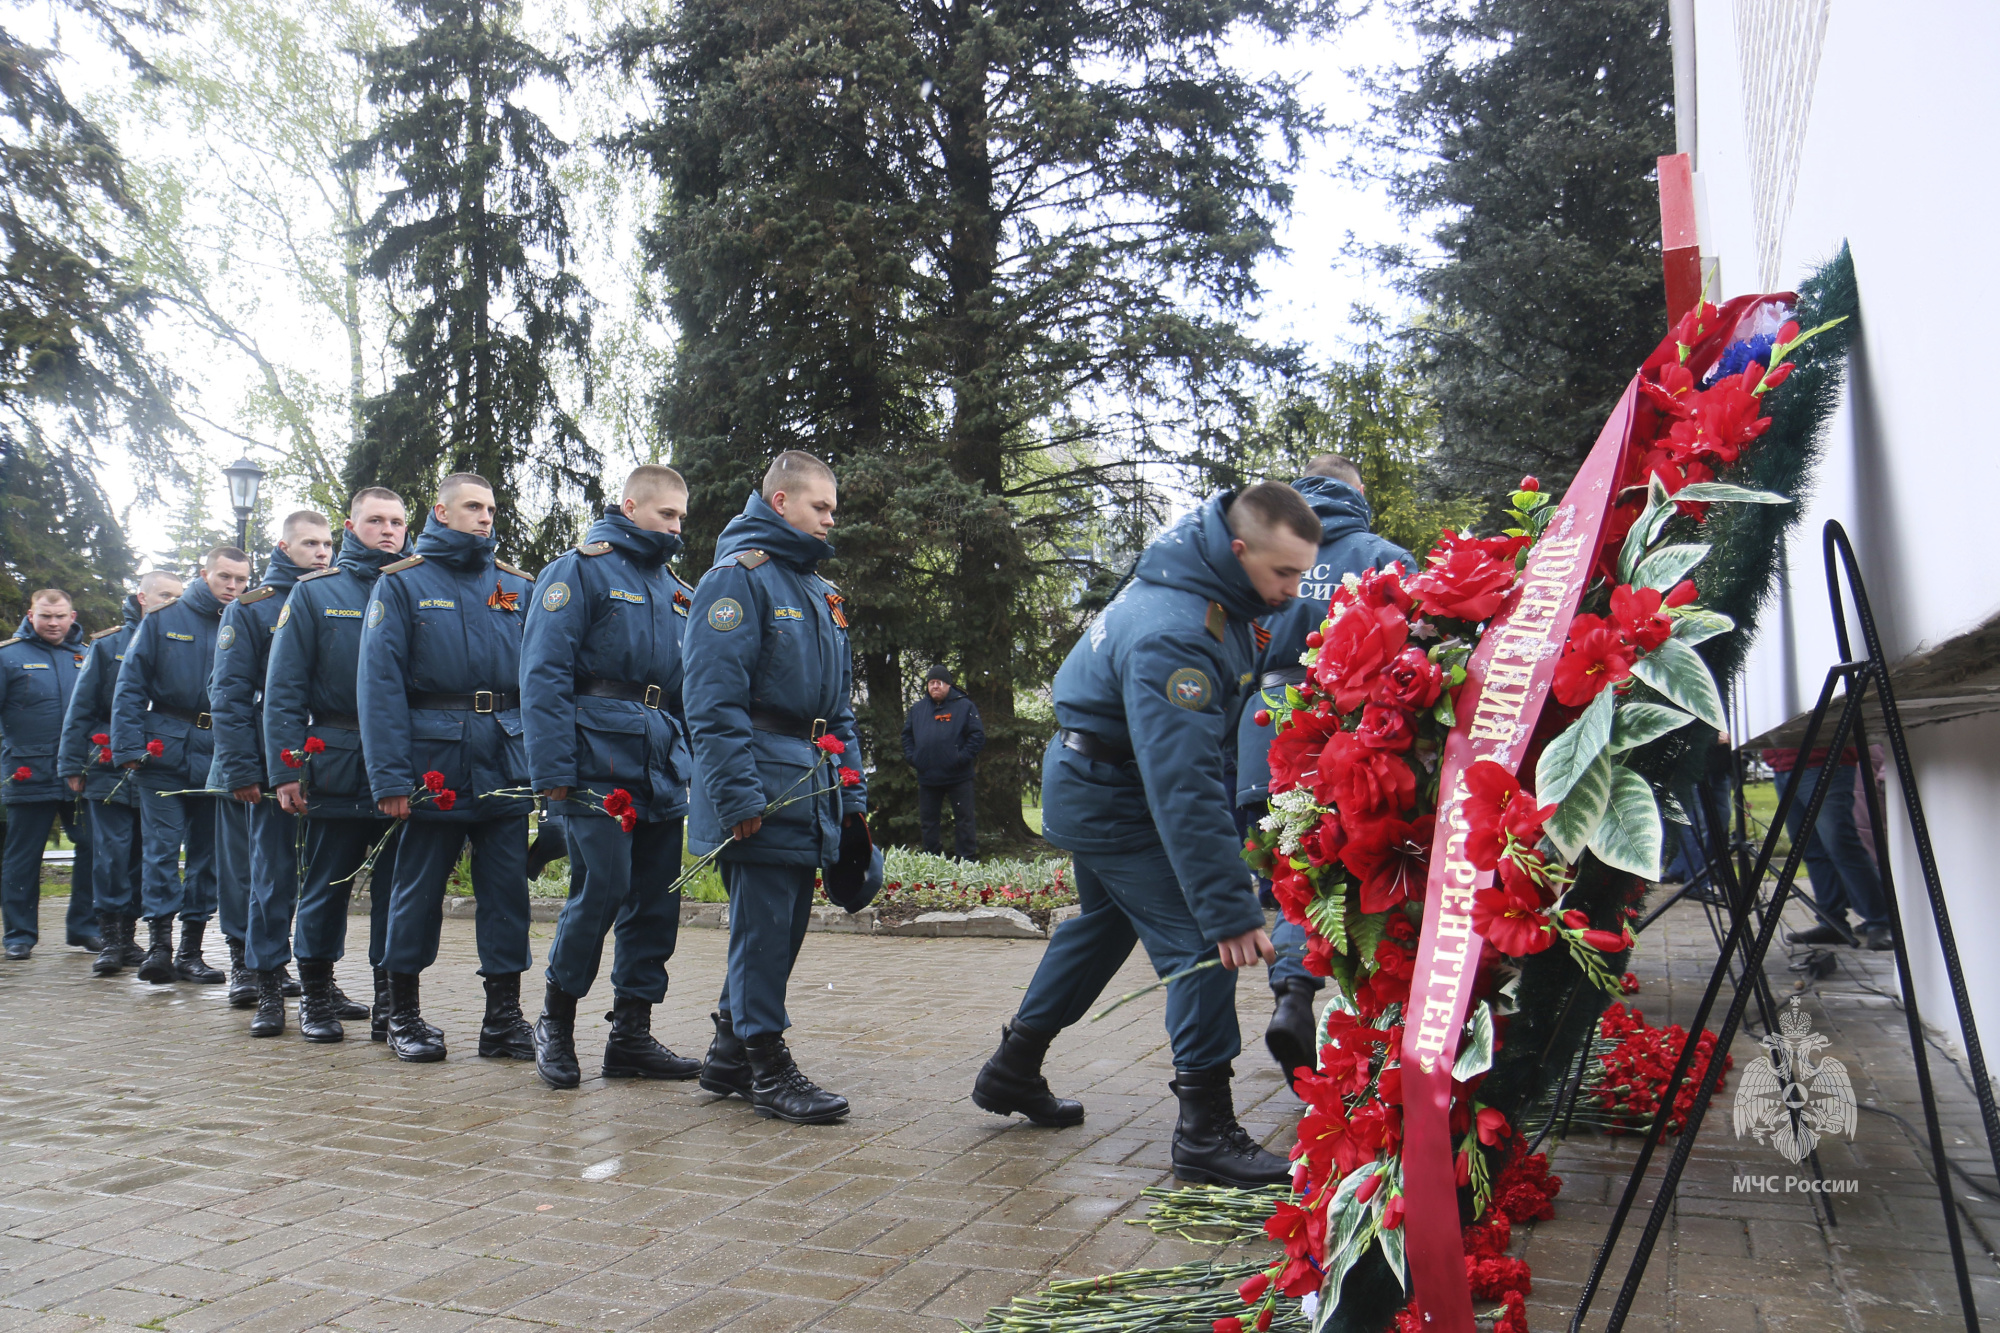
pixel 114 857
pixel 274 886
pixel 1290 942
pixel 28 825
pixel 335 849
pixel 499 889
pixel 1128 897
pixel 166 824
pixel 232 866
pixel 618 882
pixel 1842 873
pixel 769 909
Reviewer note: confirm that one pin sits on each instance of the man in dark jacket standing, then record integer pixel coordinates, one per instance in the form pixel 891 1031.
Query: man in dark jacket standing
pixel 38 673
pixel 1132 787
pixel 941 738
pixel 1332 486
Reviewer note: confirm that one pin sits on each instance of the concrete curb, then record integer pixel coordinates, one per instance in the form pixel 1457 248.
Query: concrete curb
pixel 993 923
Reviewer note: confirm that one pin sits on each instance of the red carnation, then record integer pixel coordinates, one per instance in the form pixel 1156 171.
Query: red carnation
pixel 850 777
pixel 629 820
pixel 1411 681
pixel 156 748
pixel 23 773
pixel 618 802
pixel 314 745
pixel 104 755
pixel 446 798
pixel 434 781
pixel 1508 918
pixel 831 744
pixel 1594 657
pixel 289 759
pixel 100 739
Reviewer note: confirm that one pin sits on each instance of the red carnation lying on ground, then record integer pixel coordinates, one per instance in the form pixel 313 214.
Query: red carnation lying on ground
pixel 156 748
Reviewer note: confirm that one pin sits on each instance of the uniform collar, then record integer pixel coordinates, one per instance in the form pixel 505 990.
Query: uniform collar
pixel 639 545
pixel 199 598
pixel 761 528
pixel 1194 556
pixel 281 571
pixel 71 640
pixel 364 561
pixel 466 552
pixel 134 613
pixel 1340 508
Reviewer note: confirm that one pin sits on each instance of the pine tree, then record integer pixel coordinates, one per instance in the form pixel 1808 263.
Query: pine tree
pixel 475 244
pixel 58 531
pixel 977 255
pixel 1528 136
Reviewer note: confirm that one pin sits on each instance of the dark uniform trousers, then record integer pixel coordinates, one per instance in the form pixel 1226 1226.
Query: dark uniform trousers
pixel 232 866
pixel 964 827
pixel 1129 897
pixel 274 880
pixel 166 824
pixel 114 857
pixel 28 825
pixel 499 889
pixel 769 909
pixel 335 849
pixel 618 881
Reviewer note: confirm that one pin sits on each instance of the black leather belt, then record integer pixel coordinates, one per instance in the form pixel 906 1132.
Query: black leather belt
pixel 1289 676
pixel 780 725
pixel 194 716
pixel 628 690
pixel 338 721
pixel 479 701
pixel 1096 747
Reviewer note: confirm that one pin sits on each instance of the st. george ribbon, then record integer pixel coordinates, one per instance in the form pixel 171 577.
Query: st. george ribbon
pixel 1507 682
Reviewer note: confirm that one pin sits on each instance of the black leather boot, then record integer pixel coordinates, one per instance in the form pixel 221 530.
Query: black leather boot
pixel 555 1039
pixel 352 1011
pixel 292 989
pixel 319 1017
pixel 128 932
pixel 378 1016
pixel 1290 1036
pixel 410 1038
pixel 269 1020
pixel 111 958
pixel 1011 1081
pixel 726 1070
pixel 778 1088
pixel 631 1051
pixel 88 942
pixel 504 1033
pixel 157 966
pixel 189 965
pixel 242 981
pixel 1210 1148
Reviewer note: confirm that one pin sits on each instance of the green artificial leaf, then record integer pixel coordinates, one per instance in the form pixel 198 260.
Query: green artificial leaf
pixel 1363 934
pixel 1668 566
pixel 1671 807
pixel 1570 754
pixel 1328 913
pixel 1714 492
pixel 1350 1226
pixel 1447 717
pixel 1577 818
pixel 1694 626
pixel 1630 834
pixel 1391 1242
pixel 1638 723
pixel 1475 1056
pixel 1675 670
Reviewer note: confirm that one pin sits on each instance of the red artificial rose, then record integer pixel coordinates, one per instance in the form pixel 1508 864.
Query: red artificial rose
pixel 1595 656
pixel 1322 842
pixel 434 781
pixel 850 777
pixel 1319 956
pixel 1411 681
pixel 314 745
pixel 100 739
pixel 1468 577
pixel 156 748
pixel 1361 782
pixel 1636 613
pixel 1508 918
pixel 446 799
pixel 1293 891
pixel 1295 753
pixel 831 744
pixel 1383 587
pixel 1363 641
pixel 1391 858
pixel 1385 728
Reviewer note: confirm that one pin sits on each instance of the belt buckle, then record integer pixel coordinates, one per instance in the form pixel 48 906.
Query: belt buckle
pixel 482 701
pixel 818 728
pixel 652 697
pixel 203 722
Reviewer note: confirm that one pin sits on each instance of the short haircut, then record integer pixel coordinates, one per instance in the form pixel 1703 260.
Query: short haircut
pixel 458 481
pixel 153 580
pixel 792 469
pixel 304 518
pixel 40 595
pixel 1268 506
pixel 1333 465
pixel 216 553
pixel 371 493
pixel 652 477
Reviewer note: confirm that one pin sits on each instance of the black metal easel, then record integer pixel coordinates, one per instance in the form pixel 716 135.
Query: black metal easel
pixel 1858 675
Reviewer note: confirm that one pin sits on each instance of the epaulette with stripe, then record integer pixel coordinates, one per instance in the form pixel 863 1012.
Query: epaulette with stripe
pixel 689 587
pixel 751 559
pixel 163 606
pixel 10 642
pixel 319 574
pixel 506 568
pixel 256 595
pixel 408 562
pixel 1218 621
pixel 105 633
pixel 593 548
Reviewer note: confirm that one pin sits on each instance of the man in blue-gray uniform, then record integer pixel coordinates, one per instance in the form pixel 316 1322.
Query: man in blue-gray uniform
pixel 768 683
pixel 1132 787
pixel 311 712
pixel 601 699
pixel 1332 486
pixel 39 667
pixel 160 728
pixel 111 808
pixel 439 690
pixel 236 704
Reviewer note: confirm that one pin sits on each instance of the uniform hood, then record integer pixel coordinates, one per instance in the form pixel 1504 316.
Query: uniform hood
pixel 282 571
pixel 641 546
pixel 760 528
pixel 1194 556
pixel 200 599
pixel 133 612
pixel 73 639
pixel 465 552
pixel 1343 511
pixel 359 558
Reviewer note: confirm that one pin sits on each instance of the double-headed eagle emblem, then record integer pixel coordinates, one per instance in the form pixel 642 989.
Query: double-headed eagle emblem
pixel 1790 1100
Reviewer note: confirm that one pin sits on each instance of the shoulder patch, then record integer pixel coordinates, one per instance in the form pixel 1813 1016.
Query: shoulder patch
pixel 556 597
pixel 725 614
pixel 227 637
pixel 319 574
pixel 256 595
pixel 506 568
pixel 408 562
pixel 751 559
pixel 1189 688
pixel 593 548
pixel 1218 621
pixel 105 633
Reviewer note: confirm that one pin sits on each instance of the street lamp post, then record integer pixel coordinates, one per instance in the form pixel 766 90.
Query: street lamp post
pixel 244 477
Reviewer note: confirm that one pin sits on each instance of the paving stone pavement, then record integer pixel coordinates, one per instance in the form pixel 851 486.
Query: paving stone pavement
pixel 160 1169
